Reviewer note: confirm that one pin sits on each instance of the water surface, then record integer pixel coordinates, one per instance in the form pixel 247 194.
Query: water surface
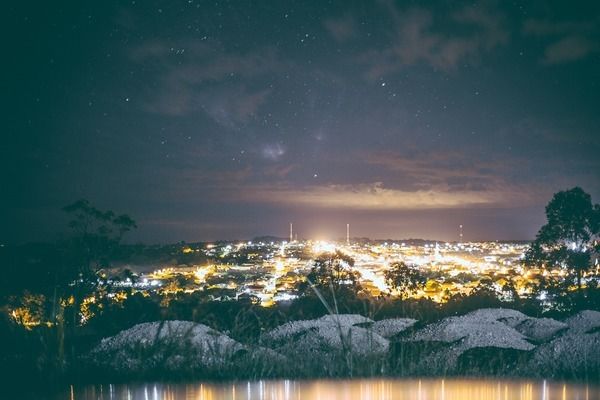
pixel 357 389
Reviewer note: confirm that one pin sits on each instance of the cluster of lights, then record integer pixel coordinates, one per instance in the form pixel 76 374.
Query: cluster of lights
pixel 277 268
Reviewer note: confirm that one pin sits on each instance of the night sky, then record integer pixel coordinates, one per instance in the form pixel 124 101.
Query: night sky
pixel 210 120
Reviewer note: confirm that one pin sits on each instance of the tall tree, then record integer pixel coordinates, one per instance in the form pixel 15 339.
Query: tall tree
pixel 335 270
pixel 569 239
pixel 94 242
pixel 404 279
pixel 332 278
pixel 96 234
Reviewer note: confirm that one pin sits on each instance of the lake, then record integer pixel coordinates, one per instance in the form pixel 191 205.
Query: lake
pixel 356 389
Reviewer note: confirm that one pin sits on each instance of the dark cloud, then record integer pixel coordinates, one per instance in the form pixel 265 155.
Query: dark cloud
pixel 194 75
pixel 567 40
pixel 231 106
pixel 428 169
pixel 417 37
pixel 570 48
pixel 342 28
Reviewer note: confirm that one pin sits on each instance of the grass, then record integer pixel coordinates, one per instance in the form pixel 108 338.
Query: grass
pixel 35 358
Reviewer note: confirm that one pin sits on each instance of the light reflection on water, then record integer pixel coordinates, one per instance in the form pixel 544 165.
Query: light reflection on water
pixel 359 389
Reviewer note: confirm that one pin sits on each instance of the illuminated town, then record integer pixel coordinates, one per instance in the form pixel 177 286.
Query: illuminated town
pixel 273 270
pixel 270 272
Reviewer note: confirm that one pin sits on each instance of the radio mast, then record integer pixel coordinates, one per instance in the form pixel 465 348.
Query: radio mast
pixel 348 234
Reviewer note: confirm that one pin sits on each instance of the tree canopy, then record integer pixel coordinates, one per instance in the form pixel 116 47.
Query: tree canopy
pixel 333 270
pixel 404 279
pixel 569 239
pixel 96 235
pixel 332 279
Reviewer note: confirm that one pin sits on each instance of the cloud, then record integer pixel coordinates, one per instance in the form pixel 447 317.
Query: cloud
pixel 375 196
pixel 231 106
pixel 541 27
pixel 342 28
pixel 571 48
pixel 415 39
pixel 421 180
pixel 278 171
pixel 568 41
pixel 454 170
pixel 193 75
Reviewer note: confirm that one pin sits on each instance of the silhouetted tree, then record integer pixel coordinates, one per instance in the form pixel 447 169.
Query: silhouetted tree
pixel 569 239
pixel 96 235
pixel 404 279
pixel 94 242
pixel 332 278
pixel 333 270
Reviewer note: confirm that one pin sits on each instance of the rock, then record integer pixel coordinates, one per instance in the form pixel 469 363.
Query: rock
pixel 330 332
pixel 501 341
pixel 333 345
pixel 168 345
pixel 584 321
pixel 486 328
pixel 388 328
pixel 574 354
pixel 540 329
